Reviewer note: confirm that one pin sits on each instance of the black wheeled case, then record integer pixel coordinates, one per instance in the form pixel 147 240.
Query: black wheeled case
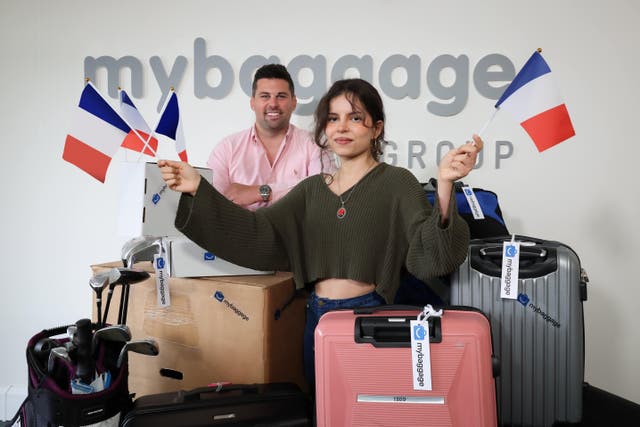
pixel 539 337
pixel 276 404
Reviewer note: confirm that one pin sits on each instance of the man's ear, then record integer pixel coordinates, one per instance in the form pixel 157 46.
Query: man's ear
pixel 252 101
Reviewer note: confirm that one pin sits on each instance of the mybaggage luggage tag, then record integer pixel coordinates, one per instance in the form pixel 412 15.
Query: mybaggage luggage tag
pixel 420 350
pixel 476 209
pixel 160 265
pixel 510 269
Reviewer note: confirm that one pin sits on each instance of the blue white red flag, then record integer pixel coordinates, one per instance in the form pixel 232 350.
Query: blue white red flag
pixel 170 125
pixel 534 101
pixel 140 139
pixel 97 131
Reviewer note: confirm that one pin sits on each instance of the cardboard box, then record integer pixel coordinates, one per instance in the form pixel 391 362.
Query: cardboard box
pixel 230 328
pixel 186 259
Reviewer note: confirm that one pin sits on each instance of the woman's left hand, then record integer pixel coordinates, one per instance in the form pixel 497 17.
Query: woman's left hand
pixel 457 163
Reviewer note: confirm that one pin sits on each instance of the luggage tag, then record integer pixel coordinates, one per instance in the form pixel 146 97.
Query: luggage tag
pixel 420 349
pixel 476 209
pixel 161 268
pixel 510 269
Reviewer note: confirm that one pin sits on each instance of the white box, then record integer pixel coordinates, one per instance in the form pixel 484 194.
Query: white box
pixel 186 259
pixel 161 203
pixel 147 207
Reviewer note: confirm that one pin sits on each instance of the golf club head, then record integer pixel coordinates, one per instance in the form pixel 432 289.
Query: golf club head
pixel 57 353
pixel 98 282
pixel 147 347
pixel 122 276
pixel 140 249
pixel 114 333
pixel 104 278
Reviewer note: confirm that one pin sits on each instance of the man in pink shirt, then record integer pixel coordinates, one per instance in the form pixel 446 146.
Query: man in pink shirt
pixel 259 165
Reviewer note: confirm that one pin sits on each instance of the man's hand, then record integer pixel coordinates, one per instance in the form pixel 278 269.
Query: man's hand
pixel 243 195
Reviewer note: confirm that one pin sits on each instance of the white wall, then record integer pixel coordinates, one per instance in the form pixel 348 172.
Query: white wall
pixel 56 221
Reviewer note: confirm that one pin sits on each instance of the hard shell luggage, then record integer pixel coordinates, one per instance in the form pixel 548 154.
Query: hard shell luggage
pixel 364 372
pixel 275 404
pixel 538 337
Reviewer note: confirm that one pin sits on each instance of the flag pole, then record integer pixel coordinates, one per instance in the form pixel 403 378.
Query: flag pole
pixel 153 130
pixel 88 81
pixel 146 144
pixel 488 122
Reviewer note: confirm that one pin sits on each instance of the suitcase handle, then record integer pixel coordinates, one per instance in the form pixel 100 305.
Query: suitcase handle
pixel 388 307
pixel 526 253
pixel 535 261
pixel 275 390
pixel 200 393
pixel 393 332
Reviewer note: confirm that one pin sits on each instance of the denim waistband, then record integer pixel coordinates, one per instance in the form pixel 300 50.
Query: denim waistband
pixel 319 304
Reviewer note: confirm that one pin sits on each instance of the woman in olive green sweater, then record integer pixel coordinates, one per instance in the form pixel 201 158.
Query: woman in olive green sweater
pixel 346 237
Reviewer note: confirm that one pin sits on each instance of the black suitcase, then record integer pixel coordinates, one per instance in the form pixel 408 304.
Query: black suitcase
pixel 275 404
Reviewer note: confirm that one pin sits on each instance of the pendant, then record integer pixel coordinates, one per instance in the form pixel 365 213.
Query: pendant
pixel 342 212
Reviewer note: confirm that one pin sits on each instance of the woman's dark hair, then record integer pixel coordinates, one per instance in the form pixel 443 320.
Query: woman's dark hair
pixel 354 90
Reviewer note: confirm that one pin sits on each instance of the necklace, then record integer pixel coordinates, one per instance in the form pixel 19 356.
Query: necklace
pixel 342 210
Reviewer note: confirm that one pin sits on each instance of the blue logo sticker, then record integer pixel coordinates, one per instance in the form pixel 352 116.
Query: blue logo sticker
pixel 155 198
pixel 208 256
pixel 419 332
pixel 160 263
pixel 467 191
pixel 219 296
pixel 511 251
pixel 523 299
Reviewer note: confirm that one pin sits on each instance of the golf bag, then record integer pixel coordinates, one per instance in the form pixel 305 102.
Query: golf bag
pixel 50 401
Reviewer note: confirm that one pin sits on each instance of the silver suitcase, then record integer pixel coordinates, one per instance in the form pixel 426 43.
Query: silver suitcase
pixel 538 337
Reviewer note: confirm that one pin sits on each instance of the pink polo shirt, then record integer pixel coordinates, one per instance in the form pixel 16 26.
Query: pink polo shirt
pixel 241 158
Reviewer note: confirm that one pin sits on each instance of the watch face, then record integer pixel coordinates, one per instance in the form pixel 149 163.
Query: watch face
pixel 265 192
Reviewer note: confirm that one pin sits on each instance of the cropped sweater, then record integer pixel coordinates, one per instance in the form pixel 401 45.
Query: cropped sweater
pixel 389 224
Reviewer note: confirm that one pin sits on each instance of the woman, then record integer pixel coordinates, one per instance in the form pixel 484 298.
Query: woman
pixel 345 237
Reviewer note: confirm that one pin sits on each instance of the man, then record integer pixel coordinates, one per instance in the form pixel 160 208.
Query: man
pixel 259 165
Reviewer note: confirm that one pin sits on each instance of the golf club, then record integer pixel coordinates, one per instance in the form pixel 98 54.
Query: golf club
pixel 113 274
pixel 85 367
pixel 122 276
pixel 115 333
pixel 58 353
pixel 148 347
pixel 142 248
pixel 97 283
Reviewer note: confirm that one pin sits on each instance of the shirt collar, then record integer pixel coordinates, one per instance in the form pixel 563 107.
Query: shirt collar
pixel 287 136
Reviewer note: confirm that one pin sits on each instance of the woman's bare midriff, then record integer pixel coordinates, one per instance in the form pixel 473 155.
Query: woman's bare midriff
pixel 342 288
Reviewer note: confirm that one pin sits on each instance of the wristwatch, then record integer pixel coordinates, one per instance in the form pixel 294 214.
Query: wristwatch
pixel 265 192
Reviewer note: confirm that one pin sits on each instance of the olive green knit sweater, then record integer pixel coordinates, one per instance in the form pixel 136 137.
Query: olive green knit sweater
pixel 389 223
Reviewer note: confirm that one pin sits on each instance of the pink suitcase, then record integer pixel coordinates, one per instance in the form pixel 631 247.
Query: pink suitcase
pixel 364 377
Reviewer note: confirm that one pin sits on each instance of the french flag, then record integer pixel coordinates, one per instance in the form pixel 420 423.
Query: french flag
pixel 139 139
pixel 96 134
pixel 170 125
pixel 535 102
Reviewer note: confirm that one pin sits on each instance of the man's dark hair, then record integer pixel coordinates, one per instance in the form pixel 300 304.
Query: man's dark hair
pixel 272 71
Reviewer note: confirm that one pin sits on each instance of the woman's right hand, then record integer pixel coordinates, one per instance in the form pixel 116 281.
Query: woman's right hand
pixel 180 176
